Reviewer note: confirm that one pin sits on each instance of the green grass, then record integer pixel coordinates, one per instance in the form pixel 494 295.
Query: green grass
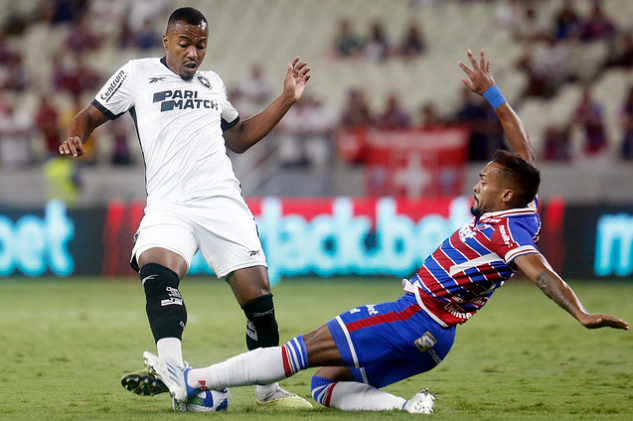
pixel 65 343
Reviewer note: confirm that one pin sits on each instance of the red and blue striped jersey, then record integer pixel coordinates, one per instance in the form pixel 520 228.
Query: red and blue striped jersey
pixel 459 277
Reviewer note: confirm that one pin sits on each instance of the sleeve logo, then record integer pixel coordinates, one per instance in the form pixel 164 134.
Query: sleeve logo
pixel 116 83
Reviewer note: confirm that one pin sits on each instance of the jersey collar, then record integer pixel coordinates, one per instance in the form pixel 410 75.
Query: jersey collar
pixel 528 210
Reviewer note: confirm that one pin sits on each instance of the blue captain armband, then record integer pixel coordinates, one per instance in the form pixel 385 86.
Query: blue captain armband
pixel 494 96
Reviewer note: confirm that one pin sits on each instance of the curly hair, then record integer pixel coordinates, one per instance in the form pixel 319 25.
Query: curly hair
pixel 523 175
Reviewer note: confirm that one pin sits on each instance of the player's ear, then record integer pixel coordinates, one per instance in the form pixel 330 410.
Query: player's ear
pixel 166 42
pixel 507 195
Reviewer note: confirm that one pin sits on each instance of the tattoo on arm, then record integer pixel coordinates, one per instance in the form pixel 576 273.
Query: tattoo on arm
pixel 558 291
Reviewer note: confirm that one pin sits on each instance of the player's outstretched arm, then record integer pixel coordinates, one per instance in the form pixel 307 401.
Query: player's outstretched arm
pixel 80 129
pixel 539 271
pixel 481 82
pixel 250 131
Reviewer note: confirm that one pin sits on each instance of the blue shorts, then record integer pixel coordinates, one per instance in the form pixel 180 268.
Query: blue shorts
pixel 389 342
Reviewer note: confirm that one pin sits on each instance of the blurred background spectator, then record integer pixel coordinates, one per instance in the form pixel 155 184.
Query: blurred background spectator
pixel 320 123
pixel 589 117
pixel 378 46
pixel 545 64
pixel 254 92
pixel 80 38
pixel 413 44
pixel 626 121
pixel 531 26
pixel 16 135
pixel 569 25
pixel 393 116
pixel 47 122
pixel 598 25
pixel 486 134
pixel 430 117
pixel 356 112
pixel 557 144
pixel 62 11
pixel 120 130
pixel 347 42
pixel 394 67
pixel 74 77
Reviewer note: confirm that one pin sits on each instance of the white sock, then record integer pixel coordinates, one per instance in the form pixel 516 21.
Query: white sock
pixel 263 390
pixel 261 365
pixel 170 350
pixel 354 396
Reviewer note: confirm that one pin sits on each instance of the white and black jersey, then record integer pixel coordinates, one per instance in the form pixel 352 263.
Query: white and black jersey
pixel 180 126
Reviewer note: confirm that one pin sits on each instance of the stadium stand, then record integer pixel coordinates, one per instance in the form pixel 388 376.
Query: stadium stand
pixel 271 32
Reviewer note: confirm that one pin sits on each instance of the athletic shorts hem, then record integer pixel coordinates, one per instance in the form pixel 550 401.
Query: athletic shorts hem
pixel 140 249
pixel 225 272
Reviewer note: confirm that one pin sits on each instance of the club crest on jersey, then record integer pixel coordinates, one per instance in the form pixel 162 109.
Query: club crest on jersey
pixel 182 100
pixel 204 81
pixel 466 232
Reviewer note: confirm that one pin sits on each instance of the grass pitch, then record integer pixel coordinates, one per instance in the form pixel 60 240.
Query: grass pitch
pixel 65 343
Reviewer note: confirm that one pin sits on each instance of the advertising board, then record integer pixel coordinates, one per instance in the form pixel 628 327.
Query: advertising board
pixel 314 236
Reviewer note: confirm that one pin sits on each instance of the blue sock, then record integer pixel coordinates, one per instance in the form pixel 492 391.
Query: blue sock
pixel 297 354
pixel 321 390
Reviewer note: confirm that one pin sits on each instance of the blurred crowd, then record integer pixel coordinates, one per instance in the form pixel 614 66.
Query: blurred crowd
pixel 306 136
pixel 549 42
pixel 376 45
pixel 33 138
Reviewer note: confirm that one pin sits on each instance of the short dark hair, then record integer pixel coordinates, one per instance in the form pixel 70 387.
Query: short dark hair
pixel 522 174
pixel 188 15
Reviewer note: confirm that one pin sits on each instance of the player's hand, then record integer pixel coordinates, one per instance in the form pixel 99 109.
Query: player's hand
pixel 595 321
pixel 72 146
pixel 297 76
pixel 479 78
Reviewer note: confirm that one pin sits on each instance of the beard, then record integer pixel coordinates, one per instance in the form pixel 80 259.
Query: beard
pixel 475 211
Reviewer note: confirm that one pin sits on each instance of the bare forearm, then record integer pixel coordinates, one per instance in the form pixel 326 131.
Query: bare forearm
pixel 559 292
pixel 84 124
pixel 254 129
pixel 515 132
pixel 80 129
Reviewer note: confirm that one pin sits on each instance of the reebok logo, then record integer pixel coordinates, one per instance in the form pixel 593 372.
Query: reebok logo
pixel 253 252
pixel 182 100
pixel 148 278
pixel 155 79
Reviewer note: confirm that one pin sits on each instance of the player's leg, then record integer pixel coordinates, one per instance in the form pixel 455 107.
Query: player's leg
pixel 162 251
pixel 381 344
pixel 261 365
pixel 349 395
pixel 230 244
pixel 251 288
pixel 337 387
pixel 160 273
pixel 252 291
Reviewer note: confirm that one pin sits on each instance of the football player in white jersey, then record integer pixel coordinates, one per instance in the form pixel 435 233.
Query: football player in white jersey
pixel 185 121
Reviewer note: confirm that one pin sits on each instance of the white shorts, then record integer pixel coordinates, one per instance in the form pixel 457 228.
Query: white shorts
pixel 222 228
